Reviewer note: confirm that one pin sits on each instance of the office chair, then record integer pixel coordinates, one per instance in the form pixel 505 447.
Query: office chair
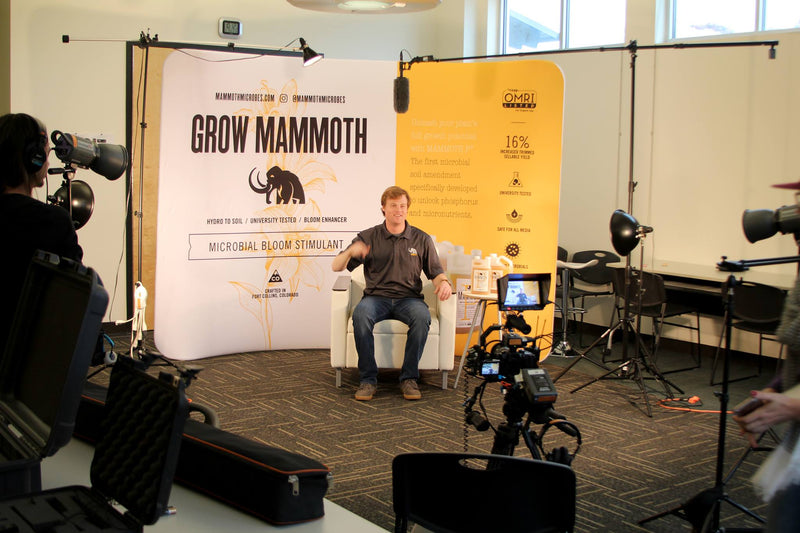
pixel 592 281
pixel 497 493
pixel 757 309
pixel 654 305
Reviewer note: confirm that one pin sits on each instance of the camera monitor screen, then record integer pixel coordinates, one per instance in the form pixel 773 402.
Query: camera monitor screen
pixel 522 292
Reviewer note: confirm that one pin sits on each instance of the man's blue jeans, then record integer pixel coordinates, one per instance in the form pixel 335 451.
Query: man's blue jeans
pixel 370 310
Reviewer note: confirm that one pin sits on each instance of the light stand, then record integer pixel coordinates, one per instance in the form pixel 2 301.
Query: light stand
pixel 626 234
pixel 713 497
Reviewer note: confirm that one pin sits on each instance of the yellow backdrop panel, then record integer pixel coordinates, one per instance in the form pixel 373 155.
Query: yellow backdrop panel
pixel 479 151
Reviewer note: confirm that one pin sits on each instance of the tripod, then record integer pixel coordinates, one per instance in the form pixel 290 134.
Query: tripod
pixel 703 509
pixel 516 406
pixel 641 361
pixel 710 500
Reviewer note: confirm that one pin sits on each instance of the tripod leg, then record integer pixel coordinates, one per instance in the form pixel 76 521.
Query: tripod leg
pixel 637 376
pixel 598 378
pixel 582 355
pixel 677 511
pixel 651 367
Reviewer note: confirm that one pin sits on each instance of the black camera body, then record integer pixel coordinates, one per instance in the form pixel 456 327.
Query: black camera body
pixel 505 359
pixel 514 361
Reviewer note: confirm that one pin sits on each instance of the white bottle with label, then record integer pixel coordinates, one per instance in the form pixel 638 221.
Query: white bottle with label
pixel 481 275
pixel 460 273
pixel 500 266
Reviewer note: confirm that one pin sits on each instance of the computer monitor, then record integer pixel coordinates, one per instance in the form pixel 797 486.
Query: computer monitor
pixel 523 292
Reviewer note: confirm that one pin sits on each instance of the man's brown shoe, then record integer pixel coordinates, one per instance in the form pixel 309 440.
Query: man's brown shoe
pixel 410 389
pixel 366 391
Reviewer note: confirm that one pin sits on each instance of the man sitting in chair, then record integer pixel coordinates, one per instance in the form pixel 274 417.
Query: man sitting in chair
pixel 394 254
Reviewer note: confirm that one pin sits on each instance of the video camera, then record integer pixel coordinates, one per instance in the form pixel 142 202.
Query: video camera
pixel 513 361
pixel 513 357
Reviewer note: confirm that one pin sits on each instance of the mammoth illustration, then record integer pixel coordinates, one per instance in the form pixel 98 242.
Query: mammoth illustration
pixel 286 185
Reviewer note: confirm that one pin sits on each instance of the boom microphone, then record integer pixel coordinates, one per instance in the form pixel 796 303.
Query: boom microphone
pixel 401 94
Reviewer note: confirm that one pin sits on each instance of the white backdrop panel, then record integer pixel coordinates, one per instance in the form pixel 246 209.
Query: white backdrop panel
pixel 262 165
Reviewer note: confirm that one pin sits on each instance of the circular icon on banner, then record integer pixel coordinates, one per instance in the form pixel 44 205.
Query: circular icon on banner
pixel 284 98
pixel 512 249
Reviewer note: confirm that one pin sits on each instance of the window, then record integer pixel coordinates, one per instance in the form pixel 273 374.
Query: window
pixel 553 24
pixel 696 18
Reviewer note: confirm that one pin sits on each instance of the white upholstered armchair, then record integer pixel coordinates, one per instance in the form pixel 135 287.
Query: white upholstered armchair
pixel 390 335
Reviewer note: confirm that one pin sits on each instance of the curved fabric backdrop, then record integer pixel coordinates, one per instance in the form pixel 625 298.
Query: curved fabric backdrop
pixel 268 169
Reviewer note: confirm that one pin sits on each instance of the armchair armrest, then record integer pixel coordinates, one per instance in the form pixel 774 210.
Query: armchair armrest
pixel 447 332
pixel 342 283
pixel 340 312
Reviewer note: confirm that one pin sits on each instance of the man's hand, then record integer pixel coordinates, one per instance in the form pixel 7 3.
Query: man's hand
pixel 357 249
pixel 443 288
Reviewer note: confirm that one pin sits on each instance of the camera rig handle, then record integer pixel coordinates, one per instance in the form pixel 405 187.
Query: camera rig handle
pixel 491 329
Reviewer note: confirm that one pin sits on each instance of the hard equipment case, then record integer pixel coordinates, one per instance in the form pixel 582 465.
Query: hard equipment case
pixel 44 364
pixel 275 485
pixel 133 463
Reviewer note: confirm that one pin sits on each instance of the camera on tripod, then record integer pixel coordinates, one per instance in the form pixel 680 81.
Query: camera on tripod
pixel 505 359
pixel 514 360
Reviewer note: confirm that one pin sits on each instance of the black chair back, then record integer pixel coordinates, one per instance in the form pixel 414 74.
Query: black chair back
pixel 599 274
pixel 756 302
pixel 493 493
pixel 652 287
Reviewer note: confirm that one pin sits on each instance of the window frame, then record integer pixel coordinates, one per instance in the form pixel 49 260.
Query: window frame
pixel 563 33
pixel 759 21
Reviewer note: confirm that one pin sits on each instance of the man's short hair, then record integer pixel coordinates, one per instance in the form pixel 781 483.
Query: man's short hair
pixel 395 192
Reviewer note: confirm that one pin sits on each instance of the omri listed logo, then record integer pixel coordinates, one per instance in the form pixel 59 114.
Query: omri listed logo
pixel 519 99
pixel 285 184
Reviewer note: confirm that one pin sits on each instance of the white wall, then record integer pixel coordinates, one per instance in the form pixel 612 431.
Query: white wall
pixel 714 128
pixel 80 87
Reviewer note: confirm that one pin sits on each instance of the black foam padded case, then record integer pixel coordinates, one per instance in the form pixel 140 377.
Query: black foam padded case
pixel 133 463
pixel 44 363
pixel 275 485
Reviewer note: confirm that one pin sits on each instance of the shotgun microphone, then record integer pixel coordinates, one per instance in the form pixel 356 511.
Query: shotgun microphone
pixel 401 95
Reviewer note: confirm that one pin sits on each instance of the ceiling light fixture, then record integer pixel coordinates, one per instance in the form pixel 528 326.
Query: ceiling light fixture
pixel 365 6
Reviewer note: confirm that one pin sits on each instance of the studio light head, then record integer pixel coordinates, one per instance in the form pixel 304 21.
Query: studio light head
pixel 759 224
pixel 108 160
pixel 309 56
pixel 76 197
pixel 626 232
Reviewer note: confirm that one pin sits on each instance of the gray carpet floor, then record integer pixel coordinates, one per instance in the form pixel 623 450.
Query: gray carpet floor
pixel 630 466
